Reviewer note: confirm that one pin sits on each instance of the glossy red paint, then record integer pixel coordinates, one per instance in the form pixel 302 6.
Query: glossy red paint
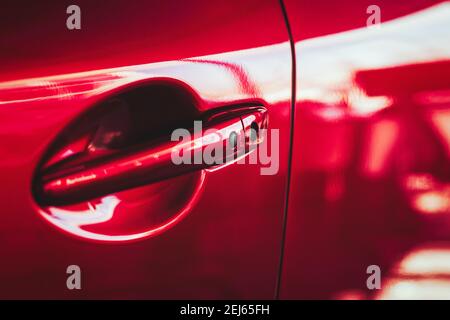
pixel 65 191
pixel 369 178
pixel 228 242
pixel 360 133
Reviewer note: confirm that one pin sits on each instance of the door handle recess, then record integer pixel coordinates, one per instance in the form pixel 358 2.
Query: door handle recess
pixel 93 173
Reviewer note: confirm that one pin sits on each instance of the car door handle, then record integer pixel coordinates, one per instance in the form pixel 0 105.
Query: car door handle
pixel 237 132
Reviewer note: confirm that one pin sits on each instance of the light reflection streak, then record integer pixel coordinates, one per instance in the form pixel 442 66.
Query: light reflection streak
pixel 432 202
pixel 425 289
pixel 441 121
pixel 74 221
pixel 381 141
pixel 225 69
pixel 327 65
pixel 427 195
pixel 426 262
pixel 424 273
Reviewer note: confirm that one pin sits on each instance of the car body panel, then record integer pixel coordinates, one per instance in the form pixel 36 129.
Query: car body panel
pixel 228 243
pixel 362 128
pixel 362 178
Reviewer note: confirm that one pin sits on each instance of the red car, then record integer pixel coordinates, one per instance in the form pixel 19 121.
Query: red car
pixel 336 121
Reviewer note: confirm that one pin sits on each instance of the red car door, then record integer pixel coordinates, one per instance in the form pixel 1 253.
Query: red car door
pixel 370 170
pixel 79 99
